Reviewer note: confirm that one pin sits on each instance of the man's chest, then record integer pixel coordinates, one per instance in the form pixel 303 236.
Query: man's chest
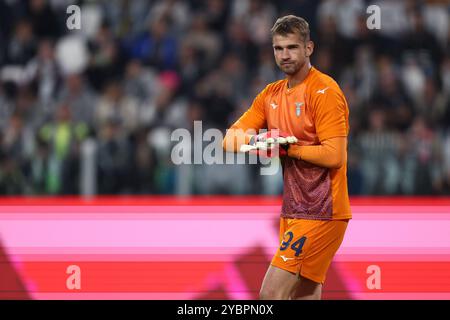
pixel 290 112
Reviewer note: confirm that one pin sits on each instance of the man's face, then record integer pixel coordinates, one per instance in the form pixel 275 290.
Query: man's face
pixel 291 52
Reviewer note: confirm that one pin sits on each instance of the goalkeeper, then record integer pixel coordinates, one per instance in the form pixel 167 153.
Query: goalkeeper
pixel 306 115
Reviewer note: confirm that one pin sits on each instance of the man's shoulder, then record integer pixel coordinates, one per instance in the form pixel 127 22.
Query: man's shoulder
pixel 275 86
pixel 320 82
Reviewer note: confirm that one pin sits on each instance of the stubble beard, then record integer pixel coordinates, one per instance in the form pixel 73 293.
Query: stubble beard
pixel 292 69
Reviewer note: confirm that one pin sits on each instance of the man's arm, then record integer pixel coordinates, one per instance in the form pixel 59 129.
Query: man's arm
pixel 330 114
pixel 236 136
pixel 331 153
pixel 246 126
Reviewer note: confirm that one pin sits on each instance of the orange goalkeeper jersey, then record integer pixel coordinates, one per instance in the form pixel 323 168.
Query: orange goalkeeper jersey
pixel 314 110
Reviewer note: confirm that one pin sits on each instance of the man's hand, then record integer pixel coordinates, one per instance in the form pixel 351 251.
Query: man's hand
pixel 269 144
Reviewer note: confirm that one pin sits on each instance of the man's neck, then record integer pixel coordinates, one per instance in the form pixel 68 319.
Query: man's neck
pixel 301 75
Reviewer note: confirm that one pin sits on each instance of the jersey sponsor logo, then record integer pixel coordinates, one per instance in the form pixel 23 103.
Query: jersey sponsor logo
pixel 322 91
pixel 274 105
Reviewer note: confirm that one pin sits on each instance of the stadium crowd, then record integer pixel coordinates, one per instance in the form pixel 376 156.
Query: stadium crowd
pixel 137 70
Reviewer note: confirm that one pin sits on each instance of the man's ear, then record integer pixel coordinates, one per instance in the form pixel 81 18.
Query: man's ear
pixel 309 48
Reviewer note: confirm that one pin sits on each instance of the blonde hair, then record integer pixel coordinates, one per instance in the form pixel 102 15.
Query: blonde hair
pixel 291 24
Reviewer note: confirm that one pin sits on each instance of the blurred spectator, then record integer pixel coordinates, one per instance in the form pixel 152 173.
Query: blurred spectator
pixel 174 12
pixel 165 108
pixel 106 60
pixel 42 178
pixel 126 17
pixel 232 71
pixel 354 172
pixel 189 67
pixel 113 158
pixel 165 171
pixel 445 75
pixel 63 136
pixel 258 17
pixel 27 106
pixel 391 96
pixel 22 46
pixel 407 163
pixel 12 180
pixel 413 79
pixel 6 107
pixel 436 103
pixel 114 104
pixel 445 186
pixel 43 19
pixel 80 98
pixel 324 61
pixel 425 147
pixel 421 43
pixel 237 40
pixel 140 82
pixel 379 147
pixel 204 41
pixel 17 140
pixel 395 16
pixel 156 47
pixel 437 20
pixel 329 42
pixel 370 40
pixel 43 72
pixel 215 94
pixel 267 70
pixel 361 76
pixel 144 162
pixel 7 18
pixel 217 13
pixel 344 12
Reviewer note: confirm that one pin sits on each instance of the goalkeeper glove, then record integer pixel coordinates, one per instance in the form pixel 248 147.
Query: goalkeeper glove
pixel 270 144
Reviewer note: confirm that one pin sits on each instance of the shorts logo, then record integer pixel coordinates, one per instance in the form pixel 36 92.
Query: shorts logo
pixel 286 259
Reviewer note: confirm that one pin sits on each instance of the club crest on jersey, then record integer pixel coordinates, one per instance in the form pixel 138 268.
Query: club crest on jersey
pixel 298 109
